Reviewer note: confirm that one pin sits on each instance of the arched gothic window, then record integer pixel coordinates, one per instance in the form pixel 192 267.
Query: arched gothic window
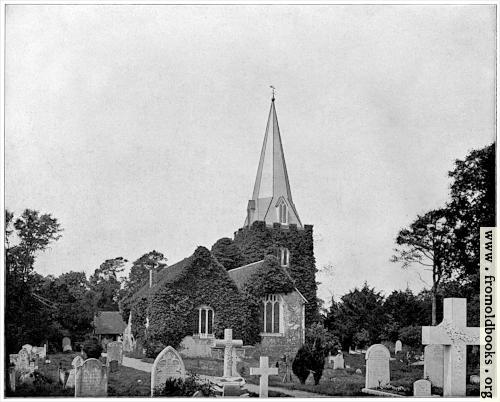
pixel 282 212
pixel 205 321
pixel 271 314
pixel 284 257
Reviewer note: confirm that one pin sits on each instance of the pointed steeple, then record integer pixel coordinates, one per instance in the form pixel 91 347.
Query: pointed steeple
pixel 272 199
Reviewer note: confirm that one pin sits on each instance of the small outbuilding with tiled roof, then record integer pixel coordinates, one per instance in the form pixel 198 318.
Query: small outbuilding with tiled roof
pixel 108 326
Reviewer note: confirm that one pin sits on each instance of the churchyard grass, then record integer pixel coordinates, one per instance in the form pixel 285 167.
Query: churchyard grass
pixel 129 382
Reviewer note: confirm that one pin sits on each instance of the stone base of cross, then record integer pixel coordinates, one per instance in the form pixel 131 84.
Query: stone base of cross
pixel 264 371
pixel 454 335
pixel 228 343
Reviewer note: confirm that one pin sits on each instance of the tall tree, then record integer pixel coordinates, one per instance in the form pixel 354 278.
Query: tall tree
pixel 426 243
pixel 227 253
pixel 106 285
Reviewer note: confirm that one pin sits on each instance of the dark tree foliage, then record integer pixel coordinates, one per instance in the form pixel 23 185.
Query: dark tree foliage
pixel 270 278
pixel 106 285
pixel 27 319
pixel 227 253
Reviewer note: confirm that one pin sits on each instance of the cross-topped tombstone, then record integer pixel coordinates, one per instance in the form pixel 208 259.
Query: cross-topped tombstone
pixel 91 379
pixel 454 334
pixel 377 366
pixel 264 371
pixel 168 364
pixel 229 343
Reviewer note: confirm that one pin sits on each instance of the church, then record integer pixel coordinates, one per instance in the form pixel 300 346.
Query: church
pixel 261 283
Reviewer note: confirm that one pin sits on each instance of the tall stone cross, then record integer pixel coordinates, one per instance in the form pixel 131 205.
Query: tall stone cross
pixel 264 371
pixel 454 335
pixel 228 342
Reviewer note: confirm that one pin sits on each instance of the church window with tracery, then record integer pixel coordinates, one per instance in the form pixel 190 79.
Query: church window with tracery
pixel 205 321
pixel 282 211
pixel 270 314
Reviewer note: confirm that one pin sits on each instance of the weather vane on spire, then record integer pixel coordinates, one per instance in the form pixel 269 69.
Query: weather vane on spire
pixel 273 88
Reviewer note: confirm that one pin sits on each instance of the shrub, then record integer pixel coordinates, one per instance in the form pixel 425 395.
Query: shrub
pixel 92 347
pixel 184 387
pixel 411 336
pixel 301 365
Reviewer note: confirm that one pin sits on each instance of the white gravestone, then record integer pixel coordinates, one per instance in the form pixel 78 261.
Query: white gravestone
pixel 338 362
pixel 377 366
pixel 264 371
pixel 66 344
pixel 76 363
pixel 434 364
pixel 115 352
pixel 454 334
pixel 28 348
pixel 229 343
pixel 23 361
pixel 398 347
pixel 168 364
pixel 475 379
pixel 91 379
pixel 422 388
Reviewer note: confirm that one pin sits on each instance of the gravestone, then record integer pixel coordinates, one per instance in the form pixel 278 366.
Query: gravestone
pixel 398 347
pixel 76 363
pixel 13 358
pixel 377 366
pixel 23 361
pixel 28 348
pixel 229 343
pixel 338 362
pixel 422 388
pixel 474 379
pixel 454 335
pixel 91 379
pixel 168 364
pixel 12 379
pixel 231 389
pixel 115 352
pixel 39 351
pixel 434 364
pixel 66 344
pixel 358 371
pixel 264 371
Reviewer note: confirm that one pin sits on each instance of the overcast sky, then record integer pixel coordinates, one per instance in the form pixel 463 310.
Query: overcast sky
pixel 140 127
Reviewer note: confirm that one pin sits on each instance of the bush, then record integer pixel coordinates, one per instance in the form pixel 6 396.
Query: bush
pixel 411 336
pixel 92 347
pixel 301 365
pixel 184 387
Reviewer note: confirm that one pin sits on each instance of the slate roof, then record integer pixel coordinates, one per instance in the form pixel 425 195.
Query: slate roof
pixel 241 275
pixel 109 322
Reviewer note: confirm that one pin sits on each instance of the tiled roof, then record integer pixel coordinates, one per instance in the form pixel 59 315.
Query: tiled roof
pixel 109 322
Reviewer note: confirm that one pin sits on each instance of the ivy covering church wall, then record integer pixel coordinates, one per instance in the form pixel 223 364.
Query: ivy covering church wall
pixel 173 307
pixel 259 240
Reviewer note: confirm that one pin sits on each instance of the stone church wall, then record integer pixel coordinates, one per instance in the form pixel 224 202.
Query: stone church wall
pixel 293 337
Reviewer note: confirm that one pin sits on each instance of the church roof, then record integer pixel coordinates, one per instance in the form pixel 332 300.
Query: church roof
pixel 271 184
pixel 109 322
pixel 241 275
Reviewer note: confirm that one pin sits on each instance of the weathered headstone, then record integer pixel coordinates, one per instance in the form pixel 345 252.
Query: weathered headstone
pixel 66 344
pixel 434 364
pixel 76 363
pixel 398 347
pixel 229 343
pixel 454 334
pixel 474 379
pixel 422 388
pixel 13 358
pixel 338 362
pixel 358 371
pixel 377 366
pixel 28 348
pixel 264 371
pixel 91 379
pixel 39 351
pixel 115 352
pixel 231 389
pixel 23 361
pixel 168 364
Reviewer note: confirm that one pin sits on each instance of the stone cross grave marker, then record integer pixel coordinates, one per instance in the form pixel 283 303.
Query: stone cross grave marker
pixel 338 361
pixel 91 379
pixel 264 371
pixel 23 361
pixel 434 364
pixel 454 334
pixel 398 347
pixel 377 366
pixel 115 352
pixel 66 344
pixel 167 364
pixel 229 343
pixel 422 388
pixel 76 363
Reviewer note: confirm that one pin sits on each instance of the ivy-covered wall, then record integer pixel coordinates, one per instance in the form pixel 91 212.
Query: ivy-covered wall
pixel 172 307
pixel 259 240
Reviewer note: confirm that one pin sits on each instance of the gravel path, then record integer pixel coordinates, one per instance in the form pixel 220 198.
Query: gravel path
pixel 143 366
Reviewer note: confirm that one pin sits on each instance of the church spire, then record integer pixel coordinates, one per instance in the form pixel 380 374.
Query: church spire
pixel 272 199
